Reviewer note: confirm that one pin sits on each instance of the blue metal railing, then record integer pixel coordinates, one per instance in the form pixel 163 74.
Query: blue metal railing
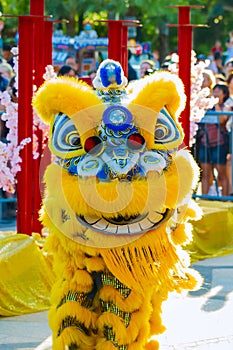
pixel 3 207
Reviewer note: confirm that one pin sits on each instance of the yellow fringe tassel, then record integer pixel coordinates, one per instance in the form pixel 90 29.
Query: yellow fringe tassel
pixel 151 260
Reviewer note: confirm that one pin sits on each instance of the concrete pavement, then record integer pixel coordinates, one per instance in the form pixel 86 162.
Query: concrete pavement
pixel 23 332
pixel 203 319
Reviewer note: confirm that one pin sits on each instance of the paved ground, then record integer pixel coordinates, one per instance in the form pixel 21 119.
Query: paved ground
pixel 203 320
pixel 200 320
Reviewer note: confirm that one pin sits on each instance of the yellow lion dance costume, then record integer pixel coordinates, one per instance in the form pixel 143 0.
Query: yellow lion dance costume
pixel 118 197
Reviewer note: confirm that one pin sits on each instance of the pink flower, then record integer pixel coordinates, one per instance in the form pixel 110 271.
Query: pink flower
pixel 10 151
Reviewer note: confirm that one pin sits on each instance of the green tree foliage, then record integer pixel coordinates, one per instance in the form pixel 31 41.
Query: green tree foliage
pixel 74 11
pixel 218 15
pixel 153 16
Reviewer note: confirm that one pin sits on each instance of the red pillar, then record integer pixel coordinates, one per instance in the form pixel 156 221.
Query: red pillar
pixel 42 38
pixel 25 75
pixel 118 41
pixel 48 48
pixel 45 156
pixel 184 52
pixel 34 55
pixel 37 9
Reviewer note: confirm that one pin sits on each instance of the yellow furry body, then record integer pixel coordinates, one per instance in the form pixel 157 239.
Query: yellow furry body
pixel 110 287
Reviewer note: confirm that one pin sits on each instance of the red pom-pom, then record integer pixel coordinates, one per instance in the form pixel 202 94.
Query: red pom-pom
pixel 135 141
pixel 93 145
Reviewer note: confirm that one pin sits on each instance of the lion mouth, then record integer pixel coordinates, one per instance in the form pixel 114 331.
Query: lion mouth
pixel 121 225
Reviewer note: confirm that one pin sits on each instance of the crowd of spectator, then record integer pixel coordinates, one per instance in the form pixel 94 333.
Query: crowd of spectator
pixel 213 142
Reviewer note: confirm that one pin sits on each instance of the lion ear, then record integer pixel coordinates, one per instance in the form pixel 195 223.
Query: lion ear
pixel 158 92
pixel 65 95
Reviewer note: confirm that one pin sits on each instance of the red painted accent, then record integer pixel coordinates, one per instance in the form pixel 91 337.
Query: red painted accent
pixel 93 145
pixel 24 177
pixel 37 8
pixel 118 41
pixel 135 141
pixel 35 52
pixel 47 38
pixel 184 52
pixel 86 80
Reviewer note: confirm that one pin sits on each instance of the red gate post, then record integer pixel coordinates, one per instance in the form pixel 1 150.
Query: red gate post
pixel 37 9
pixel 25 85
pixel 48 47
pixel 45 158
pixel 28 189
pixel 118 41
pixel 42 37
pixel 184 52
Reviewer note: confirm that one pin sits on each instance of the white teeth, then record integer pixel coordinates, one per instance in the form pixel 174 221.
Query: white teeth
pixel 91 220
pixel 134 228
pixel 154 216
pixel 101 224
pixel 146 224
pixel 122 229
pixel 111 229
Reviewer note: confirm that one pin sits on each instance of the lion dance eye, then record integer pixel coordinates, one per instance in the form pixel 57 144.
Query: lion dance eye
pixel 166 130
pixel 93 145
pixel 161 132
pixel 135 142
pixel 65 141
pixel 73 138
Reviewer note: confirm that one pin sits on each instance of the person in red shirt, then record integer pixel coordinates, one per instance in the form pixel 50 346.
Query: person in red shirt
pixel 217 48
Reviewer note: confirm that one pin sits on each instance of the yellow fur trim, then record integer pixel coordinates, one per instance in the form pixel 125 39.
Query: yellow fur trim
pixel 194 212
pixel 157 299
pixel 135 346
pixel 84 280
pixel 152 94
pixel 73 336
pixel 118 327
pixel 103 344
pixel 139 323
pixel 159 90
pixel 73 309
pixel 161 283
pixel 192 281
pixel 64 95
pixel 118 197
pixel 129 304
pixel 180 235
pixel 94 264
pixel 152 345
